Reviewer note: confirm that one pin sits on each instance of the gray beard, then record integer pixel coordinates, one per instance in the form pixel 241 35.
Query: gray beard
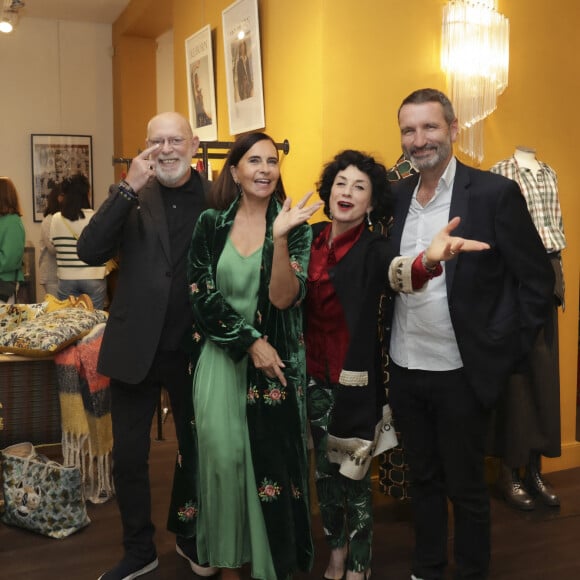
pixel 170 180
pixel 441 153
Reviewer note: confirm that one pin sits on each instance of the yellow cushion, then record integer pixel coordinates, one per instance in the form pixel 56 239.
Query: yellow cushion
pixel 82 301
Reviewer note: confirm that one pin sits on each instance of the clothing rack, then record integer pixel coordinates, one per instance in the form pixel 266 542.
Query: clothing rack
pixel 209 150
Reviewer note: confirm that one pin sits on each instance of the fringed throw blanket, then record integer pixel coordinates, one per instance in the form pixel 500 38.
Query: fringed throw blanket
pixel 87 438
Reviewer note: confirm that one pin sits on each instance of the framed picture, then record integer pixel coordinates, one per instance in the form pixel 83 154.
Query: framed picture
pixel 200 84
pixel 54 158
pixel 243 66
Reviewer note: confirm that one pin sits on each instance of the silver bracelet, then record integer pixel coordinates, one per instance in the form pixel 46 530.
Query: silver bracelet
pixel 424 262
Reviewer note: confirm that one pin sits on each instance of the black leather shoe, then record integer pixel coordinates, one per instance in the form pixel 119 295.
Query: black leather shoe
pixel 541 489
pixel 513 490
pixel 537 485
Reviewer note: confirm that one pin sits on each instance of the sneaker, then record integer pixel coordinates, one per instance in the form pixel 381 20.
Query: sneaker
pixel 187 548
pixel 127 570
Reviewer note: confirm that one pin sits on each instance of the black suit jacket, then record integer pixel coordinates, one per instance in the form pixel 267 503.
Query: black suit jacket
pixel 498 299
pixel 139 235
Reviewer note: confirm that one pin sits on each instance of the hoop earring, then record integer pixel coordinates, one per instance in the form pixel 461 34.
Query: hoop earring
pixel 239 188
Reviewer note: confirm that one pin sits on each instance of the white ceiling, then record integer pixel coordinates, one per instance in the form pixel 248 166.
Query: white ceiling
pixel 102 11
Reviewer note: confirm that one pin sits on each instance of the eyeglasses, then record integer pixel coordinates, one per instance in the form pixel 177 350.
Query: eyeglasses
pixel 172 141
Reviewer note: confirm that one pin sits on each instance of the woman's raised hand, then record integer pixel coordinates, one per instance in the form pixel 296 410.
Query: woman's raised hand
pixel 290 217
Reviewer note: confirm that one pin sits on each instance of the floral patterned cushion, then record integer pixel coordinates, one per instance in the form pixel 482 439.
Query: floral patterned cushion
pixel 11 315
pixel 51 332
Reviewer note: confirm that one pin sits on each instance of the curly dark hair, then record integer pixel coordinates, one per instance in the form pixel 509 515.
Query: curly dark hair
pixel 381 197
pixel 224 190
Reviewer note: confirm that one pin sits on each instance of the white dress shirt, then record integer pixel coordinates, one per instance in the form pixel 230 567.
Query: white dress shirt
pixel 422 334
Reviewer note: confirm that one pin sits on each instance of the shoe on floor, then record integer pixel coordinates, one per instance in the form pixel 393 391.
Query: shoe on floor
pixel 128 569
pixel 187 548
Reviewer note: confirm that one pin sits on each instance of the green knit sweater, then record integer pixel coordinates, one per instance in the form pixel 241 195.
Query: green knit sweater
pixel 12 237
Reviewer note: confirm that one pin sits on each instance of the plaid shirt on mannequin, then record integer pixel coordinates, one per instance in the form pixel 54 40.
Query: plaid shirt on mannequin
pixel 541 193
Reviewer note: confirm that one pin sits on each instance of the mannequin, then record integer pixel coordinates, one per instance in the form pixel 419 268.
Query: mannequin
pixel 526 157
pixel 527 418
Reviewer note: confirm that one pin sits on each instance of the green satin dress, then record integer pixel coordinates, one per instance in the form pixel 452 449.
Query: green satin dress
pixel 231 528
pixel 244 442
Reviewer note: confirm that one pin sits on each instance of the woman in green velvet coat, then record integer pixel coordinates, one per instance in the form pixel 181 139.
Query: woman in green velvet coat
pixel 241 488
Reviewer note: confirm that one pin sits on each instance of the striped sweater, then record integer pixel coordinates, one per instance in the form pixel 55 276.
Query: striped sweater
pixel 70 267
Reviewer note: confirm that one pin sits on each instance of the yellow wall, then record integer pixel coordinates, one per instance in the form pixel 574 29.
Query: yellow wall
pixel 334 74
pixel 540 109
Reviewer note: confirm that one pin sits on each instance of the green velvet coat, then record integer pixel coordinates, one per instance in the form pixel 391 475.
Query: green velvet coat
pixel 276 415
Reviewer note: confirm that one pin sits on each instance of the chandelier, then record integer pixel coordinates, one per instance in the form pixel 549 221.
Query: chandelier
pixel 9 14
pixel 475 59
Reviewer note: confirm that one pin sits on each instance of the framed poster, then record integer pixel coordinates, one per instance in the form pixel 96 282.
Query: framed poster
pixel 243 66
pixel 54 158
pixel 200 84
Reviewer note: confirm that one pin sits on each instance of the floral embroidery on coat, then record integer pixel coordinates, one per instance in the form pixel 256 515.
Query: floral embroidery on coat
pixel 187 512
pixel 296 493
pixel 274 395
pixel 253 394
pixel 295 264
pixel 269 490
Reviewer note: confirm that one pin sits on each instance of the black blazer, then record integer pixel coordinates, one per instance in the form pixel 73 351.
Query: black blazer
pixel 360 278
pixel 139 235
pixel 499 298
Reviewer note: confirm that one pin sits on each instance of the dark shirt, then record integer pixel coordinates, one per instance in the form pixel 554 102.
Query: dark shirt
pixel 327 336
pixel 182 208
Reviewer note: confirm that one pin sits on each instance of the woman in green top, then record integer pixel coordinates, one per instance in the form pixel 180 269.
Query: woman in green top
pixel 242 486
pixel 12 237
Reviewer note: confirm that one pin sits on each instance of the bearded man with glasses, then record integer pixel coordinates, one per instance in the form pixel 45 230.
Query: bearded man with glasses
pixel 147 222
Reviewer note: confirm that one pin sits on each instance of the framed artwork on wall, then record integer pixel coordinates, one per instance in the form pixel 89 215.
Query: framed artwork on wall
pixel 54 158
pixel 200 84
pixel 245 92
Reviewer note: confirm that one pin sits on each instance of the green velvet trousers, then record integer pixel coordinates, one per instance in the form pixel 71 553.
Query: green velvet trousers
pixel 345 504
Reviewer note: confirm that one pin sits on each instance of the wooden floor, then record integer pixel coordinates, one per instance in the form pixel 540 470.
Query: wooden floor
pixel 539 545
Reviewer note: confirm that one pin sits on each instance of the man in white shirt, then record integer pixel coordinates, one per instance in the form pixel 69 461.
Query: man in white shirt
pixel 454 345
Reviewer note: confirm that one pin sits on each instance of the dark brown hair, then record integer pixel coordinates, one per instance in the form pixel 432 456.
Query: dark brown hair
pixel 421 96
pixel 53 202
pixel 9 202
pixel 75 191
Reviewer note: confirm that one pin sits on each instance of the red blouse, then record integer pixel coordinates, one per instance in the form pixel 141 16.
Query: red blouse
pixel 327 336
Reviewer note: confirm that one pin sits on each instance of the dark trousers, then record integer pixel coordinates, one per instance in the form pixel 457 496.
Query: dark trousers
pixel 444 428
pixel 132 410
